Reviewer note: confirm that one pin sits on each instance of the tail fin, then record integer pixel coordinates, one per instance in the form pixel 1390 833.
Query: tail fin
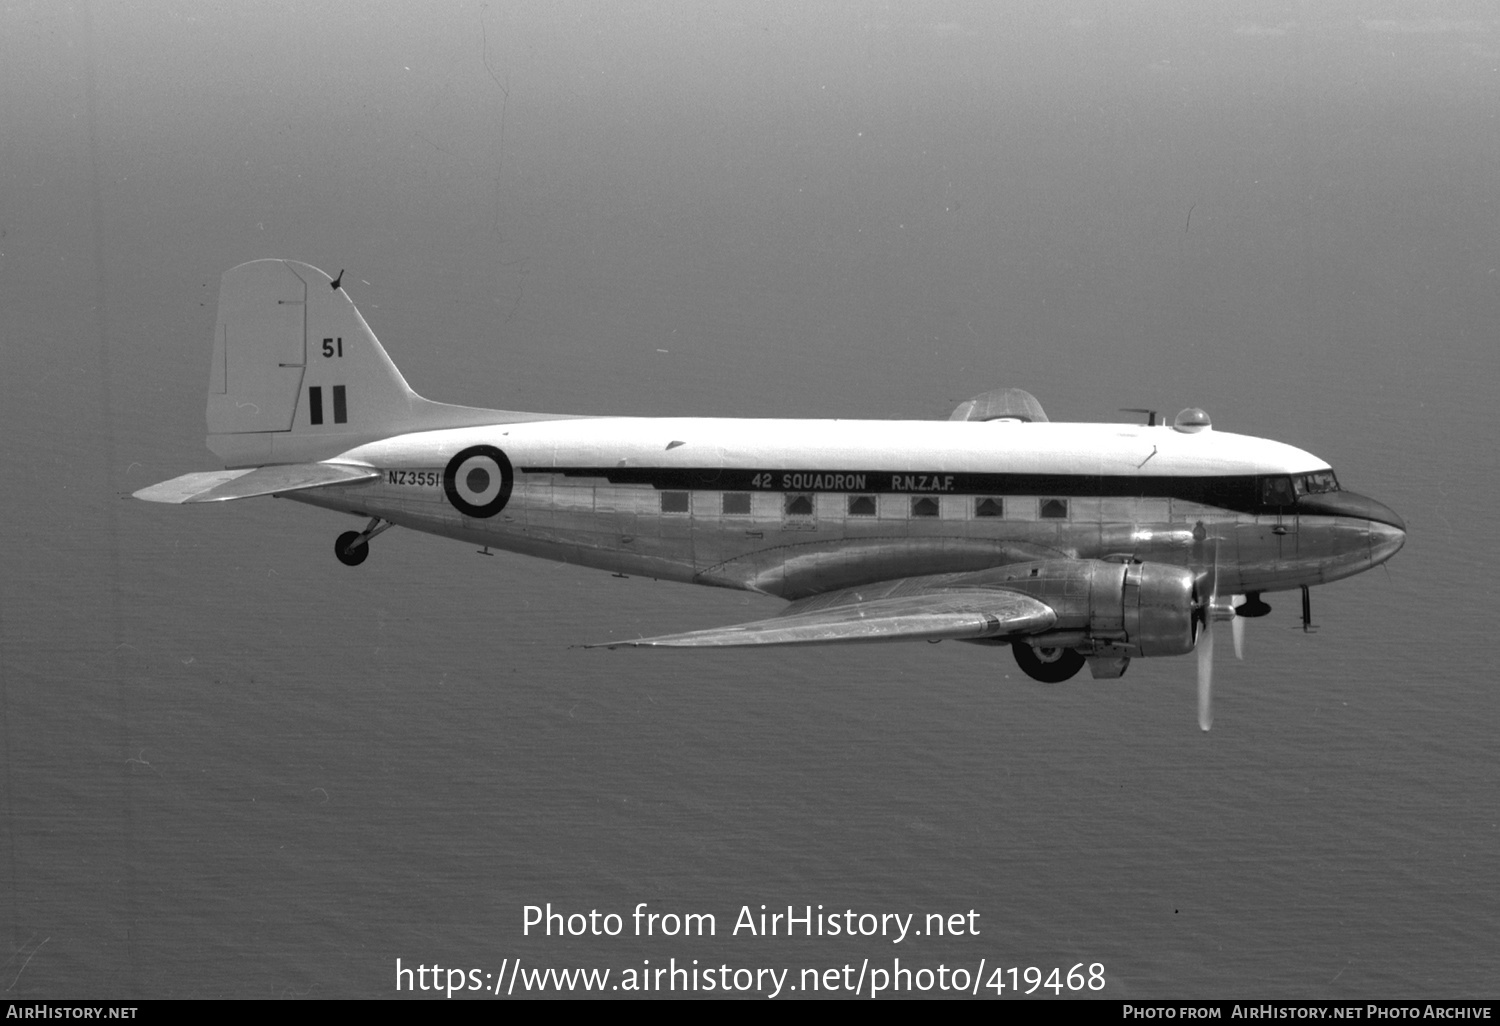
pixel 298 376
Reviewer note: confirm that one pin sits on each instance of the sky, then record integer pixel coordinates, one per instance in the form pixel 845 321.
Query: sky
pixel 1025 188
pixel 1283 213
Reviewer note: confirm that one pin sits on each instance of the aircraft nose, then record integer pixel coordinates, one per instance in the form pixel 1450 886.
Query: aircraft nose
pixel 1384 530
pixel 1384 515
pixel 1351 504
pixel 1385 541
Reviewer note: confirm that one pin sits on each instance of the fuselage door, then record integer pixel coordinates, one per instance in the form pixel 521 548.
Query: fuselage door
pixel 615 506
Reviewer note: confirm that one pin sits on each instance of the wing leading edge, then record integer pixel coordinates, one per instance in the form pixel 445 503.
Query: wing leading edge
pixel 222 485
pixel 957 614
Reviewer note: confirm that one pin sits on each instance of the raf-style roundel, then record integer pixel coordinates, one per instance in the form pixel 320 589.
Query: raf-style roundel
pixel 478 481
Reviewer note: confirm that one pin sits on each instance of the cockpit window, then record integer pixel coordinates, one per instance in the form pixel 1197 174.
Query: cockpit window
pixel 1316 483
pixel 1277 491
pixel 1283 490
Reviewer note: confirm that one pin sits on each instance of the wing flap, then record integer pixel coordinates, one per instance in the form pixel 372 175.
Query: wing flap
pixel 931 616
pixel 222 485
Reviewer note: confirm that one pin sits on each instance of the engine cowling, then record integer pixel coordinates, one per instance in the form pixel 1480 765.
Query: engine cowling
pixel 1157 602
pixel 1120 609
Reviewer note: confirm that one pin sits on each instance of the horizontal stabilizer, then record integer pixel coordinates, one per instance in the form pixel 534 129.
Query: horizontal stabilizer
pixel 933 616
pixel 221 485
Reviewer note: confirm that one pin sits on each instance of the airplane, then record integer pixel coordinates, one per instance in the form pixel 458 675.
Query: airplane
pixel 1070 543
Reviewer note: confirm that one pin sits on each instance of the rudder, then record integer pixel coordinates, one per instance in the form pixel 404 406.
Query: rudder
pixel 298 375
pixel 258 349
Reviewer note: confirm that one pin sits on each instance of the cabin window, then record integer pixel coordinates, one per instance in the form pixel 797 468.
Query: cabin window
pixel 1277 491
pixel 674 502
pixel 924 506
pixel 989 506
pixel 861 505
pixel 736 503
pixel 1054 509
pixel 799 504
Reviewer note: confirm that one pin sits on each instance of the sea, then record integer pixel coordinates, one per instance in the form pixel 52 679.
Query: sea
pixel 235 768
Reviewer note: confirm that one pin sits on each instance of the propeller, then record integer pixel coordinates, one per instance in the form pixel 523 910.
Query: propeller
pixel 1206 679
pixel 1209 611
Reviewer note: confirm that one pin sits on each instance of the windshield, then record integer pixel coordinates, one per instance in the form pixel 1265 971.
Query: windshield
pixel 1316 483
pixel 1284 490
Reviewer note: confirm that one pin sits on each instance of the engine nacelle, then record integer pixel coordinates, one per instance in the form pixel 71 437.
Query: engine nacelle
pixel 1106 608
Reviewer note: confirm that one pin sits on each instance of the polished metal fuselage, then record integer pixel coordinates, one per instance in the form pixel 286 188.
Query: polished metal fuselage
pixel 565 507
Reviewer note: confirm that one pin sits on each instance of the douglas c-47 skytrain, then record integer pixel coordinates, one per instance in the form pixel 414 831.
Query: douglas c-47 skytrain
pixel 1070 543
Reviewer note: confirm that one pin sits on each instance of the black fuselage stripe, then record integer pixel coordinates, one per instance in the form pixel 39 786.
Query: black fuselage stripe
pixel 1241 492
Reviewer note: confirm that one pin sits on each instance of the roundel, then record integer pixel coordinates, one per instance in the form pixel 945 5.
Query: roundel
pixel 478 481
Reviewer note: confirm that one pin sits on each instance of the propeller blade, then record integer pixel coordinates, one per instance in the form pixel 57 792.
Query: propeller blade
pixel 1237 627
pixel 1206 678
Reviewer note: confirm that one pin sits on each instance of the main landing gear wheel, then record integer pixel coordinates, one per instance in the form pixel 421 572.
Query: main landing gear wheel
pixel 1048 665
pixel 351 548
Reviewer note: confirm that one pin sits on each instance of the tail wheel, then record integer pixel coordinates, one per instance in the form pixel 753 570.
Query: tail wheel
pixel 1048 665
pixel 351 548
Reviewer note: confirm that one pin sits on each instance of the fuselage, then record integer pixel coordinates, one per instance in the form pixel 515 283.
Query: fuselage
pixel 794 508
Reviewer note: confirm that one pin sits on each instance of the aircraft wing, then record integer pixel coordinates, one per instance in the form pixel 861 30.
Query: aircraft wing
pixel 933 615
pixel 222 485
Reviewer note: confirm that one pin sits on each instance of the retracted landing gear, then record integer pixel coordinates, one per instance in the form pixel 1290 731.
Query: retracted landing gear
pixel 1048 665
pixel 352 547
